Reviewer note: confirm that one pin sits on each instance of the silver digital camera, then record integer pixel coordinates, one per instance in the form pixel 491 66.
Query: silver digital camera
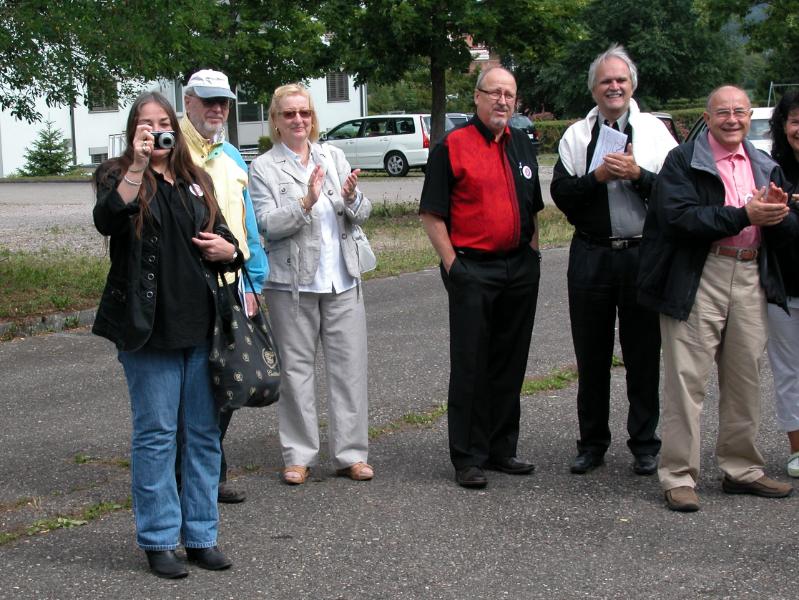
pixel 163 139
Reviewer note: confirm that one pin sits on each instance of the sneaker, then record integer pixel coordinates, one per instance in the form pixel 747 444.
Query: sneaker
pixel 793 465
pixel 764 487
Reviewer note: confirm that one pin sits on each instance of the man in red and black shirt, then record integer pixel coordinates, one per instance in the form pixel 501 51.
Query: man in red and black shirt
pixel 479 203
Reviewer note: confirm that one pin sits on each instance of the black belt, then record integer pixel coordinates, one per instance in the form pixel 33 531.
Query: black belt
pixel 615 243
pixel 473 254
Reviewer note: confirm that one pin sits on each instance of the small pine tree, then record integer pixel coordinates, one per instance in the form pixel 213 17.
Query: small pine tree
pixel 49 154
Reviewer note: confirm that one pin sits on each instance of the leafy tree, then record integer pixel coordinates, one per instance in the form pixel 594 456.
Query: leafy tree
pixel 381 39
pixel 678 54
pixel 49 154
pixel 52 49
pixel 412 93
pixel 772 29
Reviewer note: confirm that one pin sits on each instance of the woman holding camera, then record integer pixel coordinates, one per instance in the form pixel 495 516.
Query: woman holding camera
pixel 306 201
pixel 168 243
pixel 783 341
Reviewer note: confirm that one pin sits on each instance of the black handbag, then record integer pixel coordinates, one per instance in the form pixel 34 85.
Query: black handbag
pixel 245 364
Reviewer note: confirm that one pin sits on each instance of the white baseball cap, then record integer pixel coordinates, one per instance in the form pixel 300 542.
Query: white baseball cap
pixel 210 84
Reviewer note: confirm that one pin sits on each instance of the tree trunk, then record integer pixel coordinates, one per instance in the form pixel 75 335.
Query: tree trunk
pixel 438 80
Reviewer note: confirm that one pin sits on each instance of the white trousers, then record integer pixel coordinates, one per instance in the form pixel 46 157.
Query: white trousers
pixel 783 353
pixel 339 321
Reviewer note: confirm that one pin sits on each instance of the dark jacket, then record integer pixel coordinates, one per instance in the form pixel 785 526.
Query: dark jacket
pixel 686 215
pixel 127 308
pixel 788 254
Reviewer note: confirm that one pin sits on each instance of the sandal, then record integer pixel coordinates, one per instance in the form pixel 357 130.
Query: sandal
pixel 295 474
pixel 360 471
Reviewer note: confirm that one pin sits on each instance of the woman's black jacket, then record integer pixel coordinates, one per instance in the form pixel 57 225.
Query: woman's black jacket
pixel 127 308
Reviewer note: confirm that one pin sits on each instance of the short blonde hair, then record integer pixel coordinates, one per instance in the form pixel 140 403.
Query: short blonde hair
pixel 290 89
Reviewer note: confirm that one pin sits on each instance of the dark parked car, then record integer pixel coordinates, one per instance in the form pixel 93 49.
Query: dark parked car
pixel 669 123
pixel 524 123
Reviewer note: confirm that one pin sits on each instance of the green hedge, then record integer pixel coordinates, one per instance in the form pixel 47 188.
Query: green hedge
pixel 685 118
pixel 549 134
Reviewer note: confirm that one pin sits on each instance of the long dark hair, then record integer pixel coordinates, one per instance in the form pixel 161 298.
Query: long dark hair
pixel 180 164
pixel 781 150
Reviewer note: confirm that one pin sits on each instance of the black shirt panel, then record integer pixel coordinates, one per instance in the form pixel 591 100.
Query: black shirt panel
pixel 184 310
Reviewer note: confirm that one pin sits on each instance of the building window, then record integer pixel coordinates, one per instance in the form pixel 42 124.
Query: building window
pixel 102 95
pixel 338 87
pixel 98 154
pixel 250 111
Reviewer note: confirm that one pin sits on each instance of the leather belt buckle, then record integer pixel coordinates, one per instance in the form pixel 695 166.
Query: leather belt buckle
pixel 741 254
pixel 746 254
pixel 619 244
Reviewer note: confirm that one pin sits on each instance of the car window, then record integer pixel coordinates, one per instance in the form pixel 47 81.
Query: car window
pixel 759 130
pixel 345 131
pixel 520 121
pixel 403 126
pixel 375 127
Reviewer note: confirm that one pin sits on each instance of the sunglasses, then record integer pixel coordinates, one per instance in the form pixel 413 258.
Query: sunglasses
pixel 290 114
pixel 209 102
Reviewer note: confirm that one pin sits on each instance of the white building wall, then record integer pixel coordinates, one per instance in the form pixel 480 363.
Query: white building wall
pixel 331 114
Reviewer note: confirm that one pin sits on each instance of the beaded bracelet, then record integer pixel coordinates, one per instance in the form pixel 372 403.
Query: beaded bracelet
pixel 131 182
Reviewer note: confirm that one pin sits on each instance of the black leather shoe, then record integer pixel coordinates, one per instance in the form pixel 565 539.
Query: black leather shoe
pixel 511 465
pixel 586 461
pixel 645 464
pixel 471 477
pixel 230 495
pixel 208 558
pixel 166 564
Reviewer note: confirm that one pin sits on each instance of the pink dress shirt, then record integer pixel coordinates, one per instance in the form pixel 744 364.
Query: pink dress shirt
pixel 735 171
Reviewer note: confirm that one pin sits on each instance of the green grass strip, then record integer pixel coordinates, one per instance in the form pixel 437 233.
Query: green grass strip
pixel 79 519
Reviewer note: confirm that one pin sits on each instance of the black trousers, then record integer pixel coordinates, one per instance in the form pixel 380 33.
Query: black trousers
pixel 491 313
pixel 602 284
pixel 224 422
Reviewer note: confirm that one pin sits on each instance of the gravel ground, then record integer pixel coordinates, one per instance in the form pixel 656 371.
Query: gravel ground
pixel 54 216
pixel 58 216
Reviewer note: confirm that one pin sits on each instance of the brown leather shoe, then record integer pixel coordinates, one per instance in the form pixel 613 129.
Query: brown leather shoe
pixel 682 499
pixel 765 487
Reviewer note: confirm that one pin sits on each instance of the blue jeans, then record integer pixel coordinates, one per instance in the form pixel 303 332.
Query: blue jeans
pixel 168 387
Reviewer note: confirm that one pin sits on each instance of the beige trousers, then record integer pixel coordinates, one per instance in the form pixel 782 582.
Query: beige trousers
pixel 727 324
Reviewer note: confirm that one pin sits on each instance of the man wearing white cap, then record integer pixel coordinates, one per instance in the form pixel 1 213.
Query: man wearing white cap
pixel 207 98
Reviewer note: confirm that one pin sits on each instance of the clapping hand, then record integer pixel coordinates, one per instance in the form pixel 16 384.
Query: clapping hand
pixel 349 186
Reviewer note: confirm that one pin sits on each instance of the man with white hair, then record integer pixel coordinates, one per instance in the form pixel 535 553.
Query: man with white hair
pixel 607 206
pixel 207 98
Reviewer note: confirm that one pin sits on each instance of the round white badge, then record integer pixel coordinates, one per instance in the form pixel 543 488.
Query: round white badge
pixel 198 191
pixel 527 172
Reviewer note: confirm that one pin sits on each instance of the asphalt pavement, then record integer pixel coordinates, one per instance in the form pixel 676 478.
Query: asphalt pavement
pixel 411 533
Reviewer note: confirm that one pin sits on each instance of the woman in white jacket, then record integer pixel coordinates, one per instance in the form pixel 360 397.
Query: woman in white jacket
pixel 306 201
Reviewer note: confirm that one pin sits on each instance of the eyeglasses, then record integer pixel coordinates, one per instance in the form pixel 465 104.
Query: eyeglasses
pixel 290 114
pixel 209 102
pixel 496 95
pixel 738 113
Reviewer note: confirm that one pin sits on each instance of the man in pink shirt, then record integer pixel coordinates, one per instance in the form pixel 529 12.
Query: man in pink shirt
pixel 706 268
